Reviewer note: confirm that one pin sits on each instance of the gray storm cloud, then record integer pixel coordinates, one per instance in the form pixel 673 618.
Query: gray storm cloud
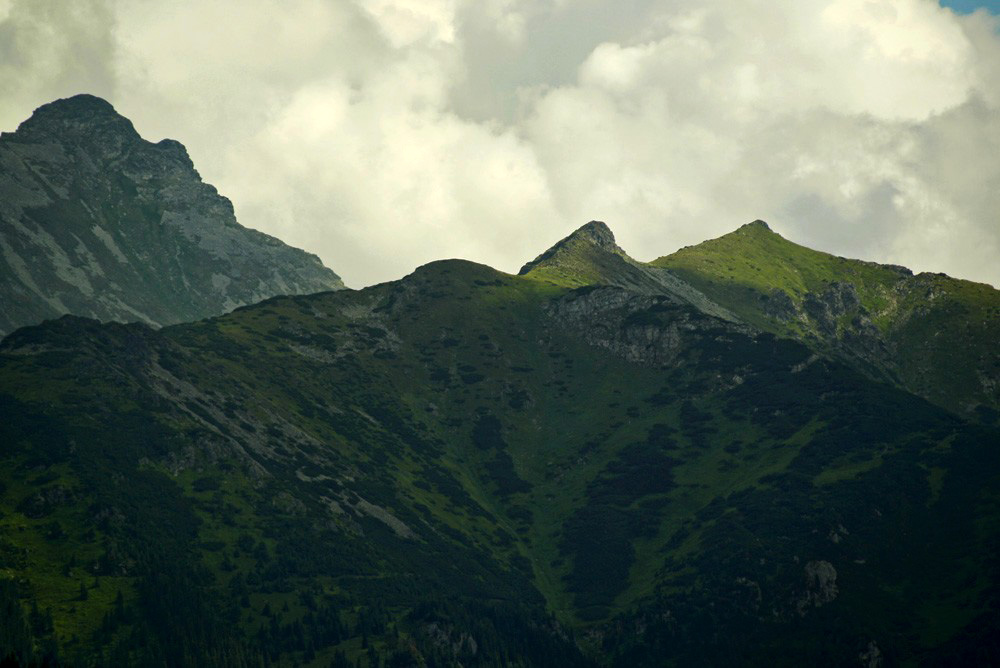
pixel 383 134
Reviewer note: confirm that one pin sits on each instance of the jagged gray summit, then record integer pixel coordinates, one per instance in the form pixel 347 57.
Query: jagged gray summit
pixel 98 222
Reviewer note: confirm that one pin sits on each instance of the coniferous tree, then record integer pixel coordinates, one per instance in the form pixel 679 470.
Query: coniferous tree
pixel 15 634
pixel 340 660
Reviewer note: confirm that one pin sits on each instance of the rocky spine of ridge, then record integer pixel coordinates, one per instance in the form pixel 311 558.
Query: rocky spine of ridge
pixel 591 256
pixel 595 233
pixel 98 222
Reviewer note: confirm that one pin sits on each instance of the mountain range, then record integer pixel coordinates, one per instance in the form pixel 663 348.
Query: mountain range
pixel 743 453
pixel 95 221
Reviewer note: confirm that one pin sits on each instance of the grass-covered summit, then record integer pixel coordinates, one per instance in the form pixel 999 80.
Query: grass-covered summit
pixel 591 257
pixel 586 257
pixel 929 333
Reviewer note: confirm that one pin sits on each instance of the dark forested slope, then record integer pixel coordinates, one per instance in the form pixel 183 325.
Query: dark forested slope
pixel 467 467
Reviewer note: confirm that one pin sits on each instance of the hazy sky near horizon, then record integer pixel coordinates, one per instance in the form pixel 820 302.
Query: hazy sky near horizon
pixel 384 134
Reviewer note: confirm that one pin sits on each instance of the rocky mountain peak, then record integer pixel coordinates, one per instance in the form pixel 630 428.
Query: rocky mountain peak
pixel 598 233
pixel 593 238
pixel 757 225
pixel 83 121
pixel 76 107
pixel 590 257
pixel 98 222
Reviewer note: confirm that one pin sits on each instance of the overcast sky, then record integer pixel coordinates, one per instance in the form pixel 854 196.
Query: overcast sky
pixel 383 134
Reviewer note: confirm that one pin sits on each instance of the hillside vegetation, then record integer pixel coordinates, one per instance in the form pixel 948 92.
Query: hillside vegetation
pixel 928 333
pixel 470 468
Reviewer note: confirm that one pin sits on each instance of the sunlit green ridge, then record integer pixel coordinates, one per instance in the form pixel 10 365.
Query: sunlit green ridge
pixel 930 333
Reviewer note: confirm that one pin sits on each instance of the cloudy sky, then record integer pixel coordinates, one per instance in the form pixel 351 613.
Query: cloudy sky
pixel 383 134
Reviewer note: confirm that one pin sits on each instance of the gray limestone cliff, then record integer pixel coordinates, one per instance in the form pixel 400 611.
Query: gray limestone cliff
pixel 96 221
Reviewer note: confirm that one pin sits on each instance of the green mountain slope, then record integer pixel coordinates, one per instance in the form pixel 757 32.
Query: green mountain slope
pixel 932 335
pixel 465 467
pixel 590 257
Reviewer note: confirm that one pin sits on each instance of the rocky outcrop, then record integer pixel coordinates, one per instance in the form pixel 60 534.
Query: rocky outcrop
pixel 825 308
pixel 838 318
pixel 820 586
pixel 590 257
pixel 594 234
pixel 646 329
pixel 97 222
pixel 870 656
pixel 458 643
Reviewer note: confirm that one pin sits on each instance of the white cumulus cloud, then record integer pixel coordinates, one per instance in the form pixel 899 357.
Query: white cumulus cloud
pixel 382 134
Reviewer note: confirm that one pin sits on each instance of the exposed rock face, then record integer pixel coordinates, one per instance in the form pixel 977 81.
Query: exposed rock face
pixel 445 637
pixel 648 329
pixel 98 222
pixel 590 256
pixel 839 319
pixel 871 657
pixel 826 307
pixel 821 586
pixel 595 233
pixel 779 306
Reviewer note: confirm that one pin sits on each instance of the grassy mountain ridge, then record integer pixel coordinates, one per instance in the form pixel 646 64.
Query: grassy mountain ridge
pixel 929 333
pixel 430 469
